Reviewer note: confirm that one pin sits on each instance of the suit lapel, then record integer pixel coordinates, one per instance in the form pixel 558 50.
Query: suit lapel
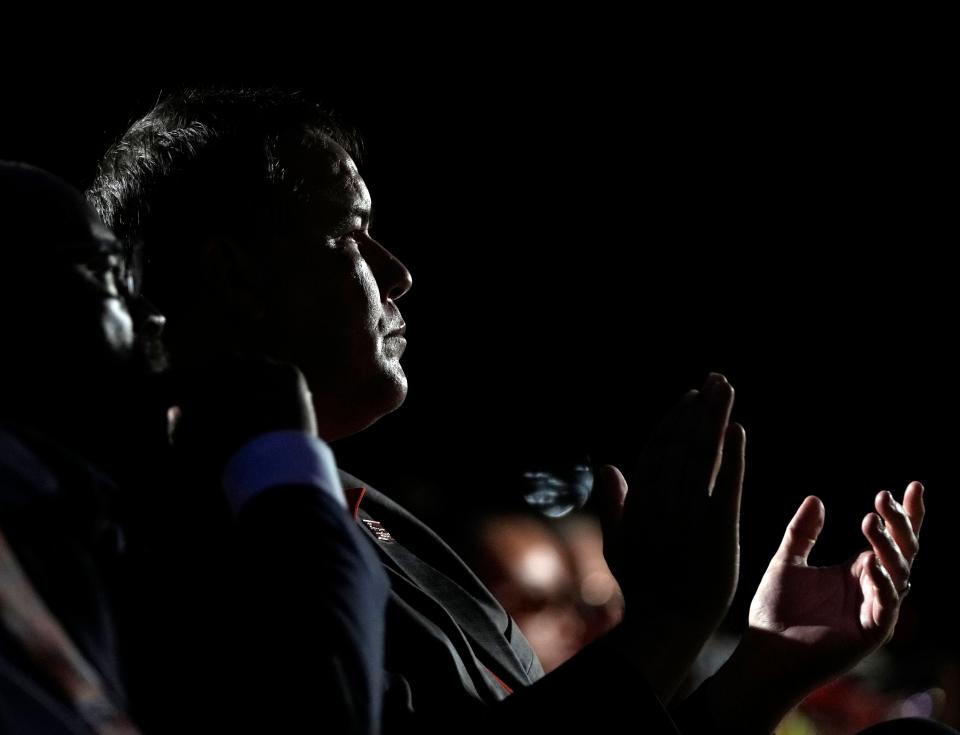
pixel 467 605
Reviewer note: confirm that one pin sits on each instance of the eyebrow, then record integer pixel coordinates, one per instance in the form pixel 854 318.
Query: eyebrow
pixel 98 246
pixel 365 216
pixel 114 246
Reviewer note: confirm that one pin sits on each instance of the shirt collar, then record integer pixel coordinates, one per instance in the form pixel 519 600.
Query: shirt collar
pixel 354 498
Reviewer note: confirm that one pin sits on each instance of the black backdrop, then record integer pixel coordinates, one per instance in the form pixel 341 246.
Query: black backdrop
pixel 588 240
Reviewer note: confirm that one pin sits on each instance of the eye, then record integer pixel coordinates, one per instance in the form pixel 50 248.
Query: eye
pixel 126 281
pixel 110 274
pixel 352 237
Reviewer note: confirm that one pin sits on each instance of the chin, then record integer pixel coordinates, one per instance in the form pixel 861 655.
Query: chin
pixel 373 403
pixel 396 392
pixel 388 395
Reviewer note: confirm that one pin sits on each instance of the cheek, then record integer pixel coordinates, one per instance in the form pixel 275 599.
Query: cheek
pixel 334 304
pixel 356 305
pixel 371 297
pixel 117 326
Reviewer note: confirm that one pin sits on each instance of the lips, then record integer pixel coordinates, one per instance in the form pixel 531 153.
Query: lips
pixel 394 343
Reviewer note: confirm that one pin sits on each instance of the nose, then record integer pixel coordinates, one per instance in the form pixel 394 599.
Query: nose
pixel 148 322
pixel 392 275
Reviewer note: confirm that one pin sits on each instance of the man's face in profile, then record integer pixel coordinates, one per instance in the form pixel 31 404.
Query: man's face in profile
pixel 91 318
pixel 102 268
pixel 330 298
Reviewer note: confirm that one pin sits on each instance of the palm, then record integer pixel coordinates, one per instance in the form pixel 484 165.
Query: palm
pixel 833 608
pixel 824 619
pixel 687 512
pixel 673 542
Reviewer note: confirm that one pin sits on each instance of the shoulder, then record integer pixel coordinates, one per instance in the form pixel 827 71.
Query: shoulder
pixel 24 476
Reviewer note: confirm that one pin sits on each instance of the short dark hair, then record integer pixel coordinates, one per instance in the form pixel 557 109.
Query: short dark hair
pixel 207 161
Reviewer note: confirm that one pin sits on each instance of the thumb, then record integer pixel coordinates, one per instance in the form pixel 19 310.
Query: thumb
pixel 802 532
pixel 729 485
pixel 610 491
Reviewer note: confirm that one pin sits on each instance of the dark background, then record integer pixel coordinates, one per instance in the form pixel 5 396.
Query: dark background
pixel 589 238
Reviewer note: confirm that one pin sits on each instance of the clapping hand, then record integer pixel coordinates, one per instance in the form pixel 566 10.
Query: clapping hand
pixel 831 617
pixel 672 541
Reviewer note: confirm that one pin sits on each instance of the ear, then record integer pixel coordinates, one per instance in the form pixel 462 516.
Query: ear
pixel 233 274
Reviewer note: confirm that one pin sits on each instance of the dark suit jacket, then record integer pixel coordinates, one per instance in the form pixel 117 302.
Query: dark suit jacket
pixel 453 655
pixel 53 515
pixel 269 622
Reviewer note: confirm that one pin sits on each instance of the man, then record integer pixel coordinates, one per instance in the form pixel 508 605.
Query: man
pixel 72 403
pixel 254 225
pixel 68 341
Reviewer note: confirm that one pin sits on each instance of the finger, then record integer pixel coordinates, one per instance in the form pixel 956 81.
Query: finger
pixel 610 490
pixel 868 590
pixel 682 459
pixel 898 525
pixel 886 550
pixel 858 568
pixel 686 418
pixel 880 600
pixel 706 451
pixel 660 468
pixel 676 424
pixel 729 487
pixel 802 532
pixel 914 506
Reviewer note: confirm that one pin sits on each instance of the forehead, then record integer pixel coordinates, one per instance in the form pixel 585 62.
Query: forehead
pixel 330 180
pixel 102 237
pixel 91 242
